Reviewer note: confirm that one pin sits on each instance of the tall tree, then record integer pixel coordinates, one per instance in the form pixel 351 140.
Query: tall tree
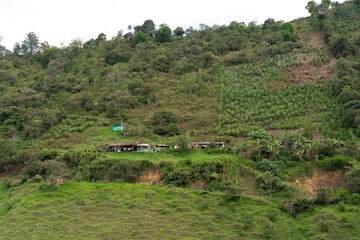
pixel 30 44
pixel 140 37
pixel 311 5
pixel 163 34
pixel 179 32
pixel 148 28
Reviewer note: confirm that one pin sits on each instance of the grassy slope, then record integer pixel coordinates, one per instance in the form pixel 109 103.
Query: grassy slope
pixel 129 211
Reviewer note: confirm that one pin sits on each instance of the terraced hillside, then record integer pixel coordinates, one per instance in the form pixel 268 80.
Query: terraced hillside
pixel 283 96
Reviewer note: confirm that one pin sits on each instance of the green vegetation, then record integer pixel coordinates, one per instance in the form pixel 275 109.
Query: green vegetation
pixel 284 100
pixel 93 211
pixel 247 104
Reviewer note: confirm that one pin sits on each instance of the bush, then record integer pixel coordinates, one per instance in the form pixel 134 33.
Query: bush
pixel 335 163
pixel 343 196
pixel 236 58
pixel 269 183
pixel 325 152
pixel 302 205
pixel 6 182
pixel 37 178
pixel 353 180
pixel 166 166
pixel 163 118
pixel 55 168
pixel 24 179
pixel 324 196
pixel 33 167
pixel 355 198
pixel 165 123
pixel 275 167
pixel 256 156
pixel 342 207
pixel 170 130
pixel 181 177
pixel 106 169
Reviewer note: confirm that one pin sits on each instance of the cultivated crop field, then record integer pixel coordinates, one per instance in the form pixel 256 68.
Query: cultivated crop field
pixel 247 101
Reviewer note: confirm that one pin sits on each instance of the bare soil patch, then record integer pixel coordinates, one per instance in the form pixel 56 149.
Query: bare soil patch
pixel 277 132
pixel 314 40
pixel 150 177
pixel 331 180
pixel 306 72
pixel 199 185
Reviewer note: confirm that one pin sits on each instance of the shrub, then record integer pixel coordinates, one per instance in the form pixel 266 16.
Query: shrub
pixel 170 130
pixel 181 177
pixel 6 182
pixel 33 167
pixel 24 179
pixel 106 169
pixel 324 195
pixel 269 183
pixel 275 167
pixel 37 178
pixel 55 168
pixel 343 196
pixel 301 205
pixel 237 58
pixel 256 156
pixel 325 152
pixel 335 163
pixel 165 123
pixel 355 198
pixel 342 207
pixel 353 183
pixel 163 118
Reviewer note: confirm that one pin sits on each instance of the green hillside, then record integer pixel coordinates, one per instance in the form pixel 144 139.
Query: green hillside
pixel 284 97
pixel 128 211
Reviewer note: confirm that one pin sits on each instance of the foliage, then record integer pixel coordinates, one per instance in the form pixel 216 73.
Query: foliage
pixel 37 178
pixel 165 123
pixel 106 169
pixel 301 205
pixel 148 28
pixel 269 183
pixel 324 196
pixel 163 34
pixel 52 53
pixel 179 31
pixel 251 105
pixel 336 163
pixel 140 37
pixel 274 167
pixel 353 182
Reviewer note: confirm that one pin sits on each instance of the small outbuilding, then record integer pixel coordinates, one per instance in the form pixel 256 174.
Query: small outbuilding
pixel 162 148
pixel 144 148
pixel 123 147
pixel 203 145
pixel 130 147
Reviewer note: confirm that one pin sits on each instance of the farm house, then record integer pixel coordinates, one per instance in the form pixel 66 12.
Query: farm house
pixel 203 145
pixel 130 147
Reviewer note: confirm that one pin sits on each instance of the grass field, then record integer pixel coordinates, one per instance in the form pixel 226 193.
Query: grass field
pixel 130 211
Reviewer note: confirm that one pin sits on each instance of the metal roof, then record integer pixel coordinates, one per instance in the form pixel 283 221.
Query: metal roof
pixel 144 145
pixel 162 145
pixel 125 144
